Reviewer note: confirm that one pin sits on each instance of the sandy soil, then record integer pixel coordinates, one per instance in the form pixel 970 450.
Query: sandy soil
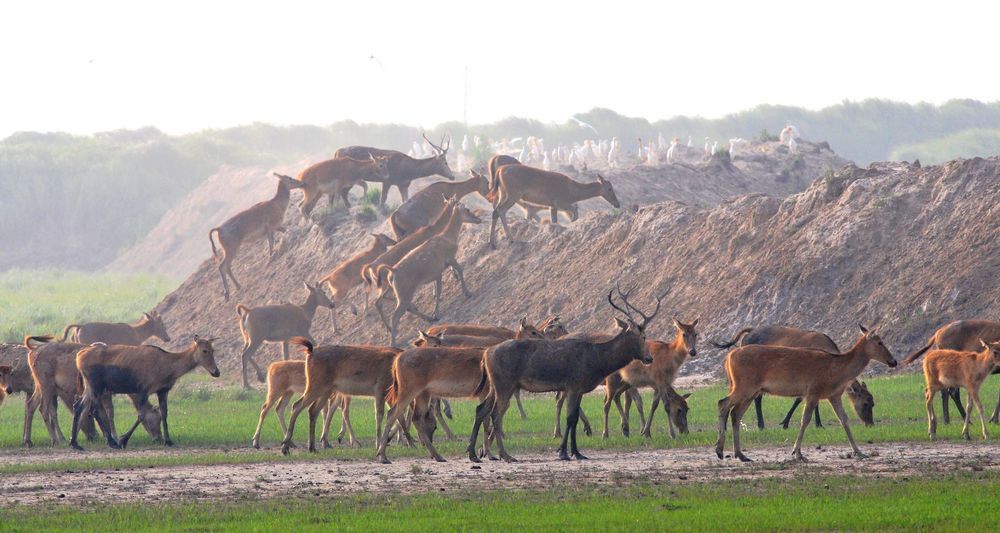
pixel 268 480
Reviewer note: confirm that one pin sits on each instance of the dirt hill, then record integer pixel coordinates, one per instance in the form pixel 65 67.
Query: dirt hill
pixel 905 247
pixel 179 242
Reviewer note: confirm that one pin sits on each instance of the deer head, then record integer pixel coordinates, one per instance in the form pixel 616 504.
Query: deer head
pixel 863 402
pixel 381 166
pixel 441 159
pixel 159 328
pixel 875 349
pixel 688 335
pixel 607 191
pixel 204 355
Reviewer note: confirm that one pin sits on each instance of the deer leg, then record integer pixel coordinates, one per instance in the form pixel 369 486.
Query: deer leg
pixel 223 266
pixel 587 429
pixel 284 352
pixel 270 247
pixel 297 408
pixel 331 407
pixel 636 397
pixel 610 397
pixel 109 413
pixel 31 404
pixel 268 403
pixel 816 416
pixel 520 406
pixel 103 420
pixel 437 299
pixel 956 396
pixel 141 402
pixel 440 418
pixel 806 417
pixel 996 413
pixel 78 406
pixel 929 395
pixel 384 193
pixel 945 415
pixel 571 422
pixel 344 196
pixel 393 417
pixel 394 324
pixel 247 357
pixel 483 410
pixel 757 404
pixel 456 269
pixel 788 417
pixel 499 410
pixel 314 411
pixel 647 430
pixel 838 407
pixel 666 412
pixel 725 406
pixel 737 417
pixel 161 401
pixel 557 433
pixel 974 393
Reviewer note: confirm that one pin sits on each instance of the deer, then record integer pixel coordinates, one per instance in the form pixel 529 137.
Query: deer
pixel 667 361
pixel 348 370
pixel 425 206
pixel 531 210
pixel 573 366
pixel 954 368
pixel 403 169
pixel 278 324
pixel 857 392
pixel 262 219
pixel 286 378
pixel 149 326
pixel 961 335
pixel 337 177
pixel 558 191
pixel 137 370
pixel 347 274
pixel 795 372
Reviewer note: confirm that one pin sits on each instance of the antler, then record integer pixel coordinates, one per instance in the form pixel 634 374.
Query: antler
pixel 441 151
pixel 612 302
pixel 645 319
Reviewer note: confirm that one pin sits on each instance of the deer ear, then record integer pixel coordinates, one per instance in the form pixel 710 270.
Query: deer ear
pixel 677 323
pixel 524 321
pixel 864 385
pixel 863 329
pixel 621 323
pixel 981 341
pixel 686 396
pixel 196 336
pixel 695 323
pixel 306 285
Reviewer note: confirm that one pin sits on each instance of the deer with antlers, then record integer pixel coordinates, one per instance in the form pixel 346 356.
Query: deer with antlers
pixel 277 323
pixel 795 372
pixel 337 176
pixel 403 169
pixel 573 366
pixel 262 219
pixel 428 204
pixel 347 274
pixel 557 191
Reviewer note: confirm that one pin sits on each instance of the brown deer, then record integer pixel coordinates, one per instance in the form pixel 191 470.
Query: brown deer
pixel 337 176
pixel 149 326
pixel 285 378
pixel 403 169
pixel 573 366
pixel 953 368
pixel 136 370
pixel 667 361
pixel 558 191
pixel 428 204
pixel 857 392
pixel 348 370
pixel 278 324
pixel 961 335
pixel 347 274
pixel 530 210
pixel 262 219
pixel 795 372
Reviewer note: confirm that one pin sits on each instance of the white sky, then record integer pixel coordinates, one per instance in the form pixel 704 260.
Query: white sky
pixel 85 66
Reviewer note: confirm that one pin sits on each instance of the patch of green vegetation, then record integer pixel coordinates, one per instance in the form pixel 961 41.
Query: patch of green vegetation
pixel 957 502
pixel 968 143
pixel 35 302
pixel 215 425
pixel 372 196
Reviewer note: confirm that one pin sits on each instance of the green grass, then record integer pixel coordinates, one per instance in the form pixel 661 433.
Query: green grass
pixel 208 423
pixel 963 502
pixel 34 302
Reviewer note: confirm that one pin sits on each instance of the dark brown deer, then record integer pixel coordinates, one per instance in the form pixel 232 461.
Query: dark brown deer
pixel 262 219
pixel 857 392
pixel 335 177
pixel 798 373
pixel 961 335
pixel 403 169
pixel 425 206
pixel 573 366
pixel 520 182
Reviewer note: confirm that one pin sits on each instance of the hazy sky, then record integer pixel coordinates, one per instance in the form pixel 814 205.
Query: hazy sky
pixel 182 66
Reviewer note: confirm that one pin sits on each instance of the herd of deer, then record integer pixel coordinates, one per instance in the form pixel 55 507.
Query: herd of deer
pixel 490 364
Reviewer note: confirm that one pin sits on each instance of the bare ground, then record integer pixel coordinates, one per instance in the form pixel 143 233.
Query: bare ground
pixel 534 471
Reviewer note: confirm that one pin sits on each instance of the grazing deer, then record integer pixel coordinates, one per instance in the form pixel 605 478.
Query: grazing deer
pixel 573 366
pixel 337 176
pixel 347 370
pixel 953 368
pixel 857 392
pixel 277 323
pixel 55 377
pixel 262 219
pixel 285 378
pixel 347 274
pixel 795 372
pixel 138 370
pixel 428 204
pixel 531 210
pixel 558 191
pixel 961 335
pixel 149 326
pixel 403 169
pixel 660 376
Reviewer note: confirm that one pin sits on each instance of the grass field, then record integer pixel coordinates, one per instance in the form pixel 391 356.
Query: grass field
pixel 963 502
pixel 35 302
pixel 207 422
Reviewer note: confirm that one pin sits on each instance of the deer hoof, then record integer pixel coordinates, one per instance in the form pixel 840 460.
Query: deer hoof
pixel 743 458
pixel 588 431
pixel 718 452
pixel 508 458
pixel 440 459
pixel 860 455
pixel 76 446
pixel 284 449
pixel 255 445
pixel 579 456
pixel 563 456
pixel 473 457
pixel 384 460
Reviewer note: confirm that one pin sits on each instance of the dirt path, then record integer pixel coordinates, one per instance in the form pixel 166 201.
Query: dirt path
pixel 421 475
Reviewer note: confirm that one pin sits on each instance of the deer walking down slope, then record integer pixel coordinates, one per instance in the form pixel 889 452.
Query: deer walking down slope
pixel 403 169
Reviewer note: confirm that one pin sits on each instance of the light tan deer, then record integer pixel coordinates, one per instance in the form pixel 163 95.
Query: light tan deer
pixel 347 274
pixel 348 370
pixel 285 378
pixel 149 326
pixel 961 335
pixel 337 176
pixel 558 191
pixel 262 219
pixel 277 324
pixel 530 210
pixel 425 206
pixel 953 368
pixel 795 372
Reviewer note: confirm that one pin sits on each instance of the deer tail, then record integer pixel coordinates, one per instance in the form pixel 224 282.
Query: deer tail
pixel 242 310
pixel 216 232
pixel 394 224
pixel 305 343
pixel 915 355
pixel 65 333
pixel 385 272
pixel 739 335
pixel 40 339
pixel 393 393
pixel 483 380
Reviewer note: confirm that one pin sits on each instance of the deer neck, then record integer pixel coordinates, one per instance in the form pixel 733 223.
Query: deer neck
pixel 851 363
pixel 463 188
pixel 309 307
pixel 143 330
pixel 677 349
pixel 454 227
pixel 182 363
pixel 424 167
pixel 617 352
pixel 582 191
